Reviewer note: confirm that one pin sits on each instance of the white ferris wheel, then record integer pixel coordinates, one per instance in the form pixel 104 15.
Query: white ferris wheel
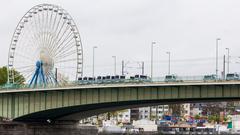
pixel 46 47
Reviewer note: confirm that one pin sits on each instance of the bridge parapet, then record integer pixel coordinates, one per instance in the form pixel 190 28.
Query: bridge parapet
pixel 56 103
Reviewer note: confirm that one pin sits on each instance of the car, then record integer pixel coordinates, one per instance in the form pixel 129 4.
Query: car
pixel 172 78
pixel 122 77
pixel 108 77
pixel 113 77
pixel 132 77
pixel 117 77
pixel 232 76
pixel 141 77
pixel 99 78
pixel 212 77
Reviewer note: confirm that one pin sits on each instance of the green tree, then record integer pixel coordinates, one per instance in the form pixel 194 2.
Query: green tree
pixel 214 118
pixel 197 117
pixel 18 78
pixel 3 75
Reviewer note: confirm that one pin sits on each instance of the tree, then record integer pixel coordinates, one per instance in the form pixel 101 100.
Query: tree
pixel 197 117
pixel 18 78
pixel 214 118
pixel 3 75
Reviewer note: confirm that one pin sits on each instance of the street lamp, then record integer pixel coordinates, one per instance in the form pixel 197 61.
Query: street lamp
pixel 217 55
pixel 94 47
pixel 114 58
pixel 152 59
pixel 168 62
pixel 228 60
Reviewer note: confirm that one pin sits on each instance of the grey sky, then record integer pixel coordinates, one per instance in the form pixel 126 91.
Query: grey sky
pixel 126 28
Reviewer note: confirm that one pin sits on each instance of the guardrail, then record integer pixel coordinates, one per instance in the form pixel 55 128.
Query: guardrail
pixel 179 79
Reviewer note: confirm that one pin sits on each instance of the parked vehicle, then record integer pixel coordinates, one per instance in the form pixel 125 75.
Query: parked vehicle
pixel 232 76
pixel 172 78
pixel 212 77
pixel 142 78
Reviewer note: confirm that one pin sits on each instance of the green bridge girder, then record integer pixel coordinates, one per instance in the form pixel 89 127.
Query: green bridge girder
pixel 62 103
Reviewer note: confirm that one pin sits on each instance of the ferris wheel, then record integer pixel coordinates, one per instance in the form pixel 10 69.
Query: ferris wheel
pixel 45 48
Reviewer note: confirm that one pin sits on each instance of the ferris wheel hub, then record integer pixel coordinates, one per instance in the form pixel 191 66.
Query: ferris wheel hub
pixel 47 60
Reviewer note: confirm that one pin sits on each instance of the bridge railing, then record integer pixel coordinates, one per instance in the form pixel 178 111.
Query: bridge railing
pixel 179 79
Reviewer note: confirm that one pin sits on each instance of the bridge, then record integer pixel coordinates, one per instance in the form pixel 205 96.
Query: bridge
pixel 78 102
pixel 59 60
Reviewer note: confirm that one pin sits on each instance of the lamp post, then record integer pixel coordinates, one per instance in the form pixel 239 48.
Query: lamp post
pixel 152 59
pixel 94 47
pixel 217 55
pixel 115 59
pixel 168 62
pixel 227 59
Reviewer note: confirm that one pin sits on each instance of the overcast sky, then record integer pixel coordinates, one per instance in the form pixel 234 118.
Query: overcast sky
pixel 126 28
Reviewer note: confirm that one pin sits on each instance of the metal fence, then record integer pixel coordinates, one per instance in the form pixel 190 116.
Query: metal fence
pixel 95 81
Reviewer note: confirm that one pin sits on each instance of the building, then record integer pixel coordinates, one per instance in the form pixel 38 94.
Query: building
pixel 124 116
pixel 185 110
pixel 154 112
pixel 196 109
pixel 134 114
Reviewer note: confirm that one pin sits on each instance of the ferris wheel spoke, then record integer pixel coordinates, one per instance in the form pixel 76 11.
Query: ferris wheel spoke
pixel 29 32
pixel 66 60
pixel 23 67
pixel 57 44
pixel 67 36
pixel 28 76
pixel 26 70
pixel 65 54
pixel 49 29
pixel 63 43
pixel 68 45
pixel 52 29
pixel 22 37
pixel 45 29
pixel 36 35
pixel 64 32
pixel 48 77
pixel 42 28
pixel 24 56
pixel 65 48
pixel 57 37
pixel 55 31
pixel 66 67
pixel 39 27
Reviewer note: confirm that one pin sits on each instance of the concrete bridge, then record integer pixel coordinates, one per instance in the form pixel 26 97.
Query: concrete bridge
pixel 74 103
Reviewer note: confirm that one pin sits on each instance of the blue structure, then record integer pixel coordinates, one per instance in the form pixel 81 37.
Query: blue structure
pixel 38 77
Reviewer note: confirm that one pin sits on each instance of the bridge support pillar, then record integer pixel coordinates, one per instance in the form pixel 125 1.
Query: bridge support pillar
pixel 15 128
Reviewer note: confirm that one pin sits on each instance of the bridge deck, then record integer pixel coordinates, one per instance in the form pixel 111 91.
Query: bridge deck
pixel 122 85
